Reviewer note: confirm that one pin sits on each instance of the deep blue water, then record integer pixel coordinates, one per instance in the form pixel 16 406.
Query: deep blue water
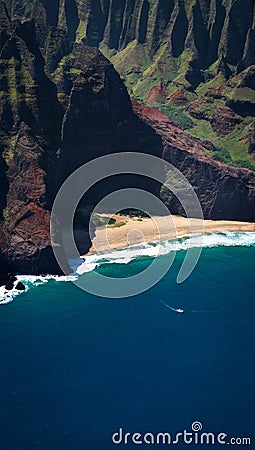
pixel 75 368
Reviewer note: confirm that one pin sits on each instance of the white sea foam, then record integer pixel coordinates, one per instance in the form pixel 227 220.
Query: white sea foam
pixel 154 249
pixel 83 265
pixel 37 280
pixel 7 296
pixel 29 281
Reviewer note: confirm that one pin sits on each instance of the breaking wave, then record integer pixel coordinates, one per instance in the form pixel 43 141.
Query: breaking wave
pixel 83 265
pixel 155 249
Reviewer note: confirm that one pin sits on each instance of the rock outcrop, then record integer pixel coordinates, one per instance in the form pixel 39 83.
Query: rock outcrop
pixel 222 119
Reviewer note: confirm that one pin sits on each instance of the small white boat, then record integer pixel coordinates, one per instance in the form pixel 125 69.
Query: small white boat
pixel 179 310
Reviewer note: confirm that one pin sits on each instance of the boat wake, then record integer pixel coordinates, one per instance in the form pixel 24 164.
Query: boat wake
pixel 178 310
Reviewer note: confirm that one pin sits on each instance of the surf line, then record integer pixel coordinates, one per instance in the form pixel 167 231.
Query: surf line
pixel 178 310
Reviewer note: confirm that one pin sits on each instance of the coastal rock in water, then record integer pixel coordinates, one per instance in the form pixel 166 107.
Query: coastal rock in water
pixel 20 286
pixel 9 281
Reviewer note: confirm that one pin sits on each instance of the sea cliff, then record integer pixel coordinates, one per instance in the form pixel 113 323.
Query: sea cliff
pixel 64 103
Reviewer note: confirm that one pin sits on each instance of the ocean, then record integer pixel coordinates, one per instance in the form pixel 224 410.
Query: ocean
pixel 80 372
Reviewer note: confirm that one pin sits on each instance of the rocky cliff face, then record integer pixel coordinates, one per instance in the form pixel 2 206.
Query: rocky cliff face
pixel 209 28
pixel 62 104
pixel 186 49
pixel 223 191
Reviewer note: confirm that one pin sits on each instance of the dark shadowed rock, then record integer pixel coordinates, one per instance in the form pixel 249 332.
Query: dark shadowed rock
pixel 20 286
pixel 61 107
pixel 9 281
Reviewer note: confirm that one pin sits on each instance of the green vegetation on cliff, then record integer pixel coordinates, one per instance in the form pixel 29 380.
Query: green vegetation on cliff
pixel 193 47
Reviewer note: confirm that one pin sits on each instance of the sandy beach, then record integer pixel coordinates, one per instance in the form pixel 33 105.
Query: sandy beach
pixel 126 231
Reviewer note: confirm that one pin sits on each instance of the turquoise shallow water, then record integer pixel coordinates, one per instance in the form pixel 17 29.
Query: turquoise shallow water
pixel 75 368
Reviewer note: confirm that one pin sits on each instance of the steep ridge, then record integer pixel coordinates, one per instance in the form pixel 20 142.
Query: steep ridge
pixel 207 27
pixel 31 116
pixel 63 104
pixel 190 47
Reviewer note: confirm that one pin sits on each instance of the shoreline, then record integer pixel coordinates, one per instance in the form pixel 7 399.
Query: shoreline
pixel 215 234
pixel 127 232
